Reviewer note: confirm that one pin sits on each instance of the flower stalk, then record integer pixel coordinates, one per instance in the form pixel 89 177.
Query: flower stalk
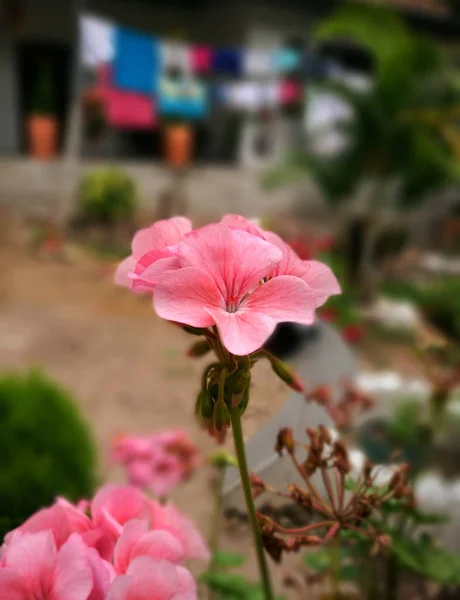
pixel 245 481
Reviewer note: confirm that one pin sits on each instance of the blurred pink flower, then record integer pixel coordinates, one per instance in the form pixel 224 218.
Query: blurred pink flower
pixel 34 569
pixel 152 254
pixel 157 462
pixel 218 284
pixel 150 579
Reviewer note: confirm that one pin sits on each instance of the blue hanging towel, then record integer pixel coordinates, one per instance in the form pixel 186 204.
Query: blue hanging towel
pixel 286 60
pixel 135 62
pixel 228 61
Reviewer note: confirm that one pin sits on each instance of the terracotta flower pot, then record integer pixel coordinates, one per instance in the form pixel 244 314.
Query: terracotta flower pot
pixel 178 144
pixel 42 136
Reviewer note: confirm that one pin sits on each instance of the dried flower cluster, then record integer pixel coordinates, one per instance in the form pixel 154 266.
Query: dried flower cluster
pixel 341 509
pixel 343 411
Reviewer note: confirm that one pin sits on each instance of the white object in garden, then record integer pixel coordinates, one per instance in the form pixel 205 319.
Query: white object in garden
pixel 394 314
pixel 97 41
pixel 325 360
pixel 438 263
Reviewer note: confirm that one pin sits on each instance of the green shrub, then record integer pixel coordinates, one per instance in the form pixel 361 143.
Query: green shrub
pixel 45 448
pixel 106 196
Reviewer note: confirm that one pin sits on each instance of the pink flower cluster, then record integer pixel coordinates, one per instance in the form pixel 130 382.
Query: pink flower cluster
pixel 157 462
pixel 231 274
pixel 119 546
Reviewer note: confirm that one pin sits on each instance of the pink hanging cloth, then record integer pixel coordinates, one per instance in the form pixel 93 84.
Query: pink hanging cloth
pixel 201 58
pixel 290 92
pixel 124 110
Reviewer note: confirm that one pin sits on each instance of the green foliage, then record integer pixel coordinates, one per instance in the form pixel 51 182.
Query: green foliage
pixel 45 448
pixel 107 196
pixel 43 101
pixel 389 136
pixel 424 557
pixel 322 561
pixel 230 586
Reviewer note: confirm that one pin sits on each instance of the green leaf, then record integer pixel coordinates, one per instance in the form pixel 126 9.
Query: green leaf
pixel 423 557
pixel 228 560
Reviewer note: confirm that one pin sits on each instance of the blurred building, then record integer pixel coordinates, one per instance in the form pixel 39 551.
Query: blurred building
pixel 36 31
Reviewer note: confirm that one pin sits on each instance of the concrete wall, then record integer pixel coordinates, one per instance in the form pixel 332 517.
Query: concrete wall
pixel 38 188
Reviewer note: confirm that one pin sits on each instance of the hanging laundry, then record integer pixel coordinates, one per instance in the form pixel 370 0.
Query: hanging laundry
pixel 258 63
pixel 201 58
pixel 136 61
pixel 185 98
pixel 286 60
pixel 97 41
pixel 124 110
pixel 228 61
pixel 175 56
pixel 252 95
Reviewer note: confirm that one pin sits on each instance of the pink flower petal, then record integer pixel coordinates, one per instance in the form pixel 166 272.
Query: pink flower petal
pixel 151 275
pixel 102 575
pixel 159 235
pixel 161 545
pixel 235 260
pixel 53 519
pixel 33 556
pixel 183 224
pixel 13 586
pixel 282 299
pixel 187 585
pixel 73 578
pixel 321 279
pixel 122 503
pixel 151 580
pixel 238 222
pixel 77 520
pixel 170 519
pixel 131 533
pixel 182 296
pixel 126 267
pixel 290 263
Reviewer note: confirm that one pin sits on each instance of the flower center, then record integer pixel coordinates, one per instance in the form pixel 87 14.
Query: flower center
pixel 232 304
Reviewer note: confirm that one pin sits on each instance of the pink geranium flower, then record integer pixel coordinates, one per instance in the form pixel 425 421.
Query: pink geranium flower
pixel 114 505
pixel 168 518
pixel 62 520
pixel 150 579
pixel 152 254
pixel 136 540
pixel 223 281
pixel 34 569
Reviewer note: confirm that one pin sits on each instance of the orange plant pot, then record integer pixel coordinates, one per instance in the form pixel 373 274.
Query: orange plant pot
pixel 42 136
pixel 178 145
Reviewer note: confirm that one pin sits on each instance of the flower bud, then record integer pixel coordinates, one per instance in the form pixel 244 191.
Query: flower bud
pixel 257 485
pixel 194 330
pixel 206 404
pixel 286 374
pixel 223 459
pixel 199 348
pixel 221 416
pixel 285 441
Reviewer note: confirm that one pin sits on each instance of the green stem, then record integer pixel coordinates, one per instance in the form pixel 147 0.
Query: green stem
pixel 244 474
pixel 216 523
